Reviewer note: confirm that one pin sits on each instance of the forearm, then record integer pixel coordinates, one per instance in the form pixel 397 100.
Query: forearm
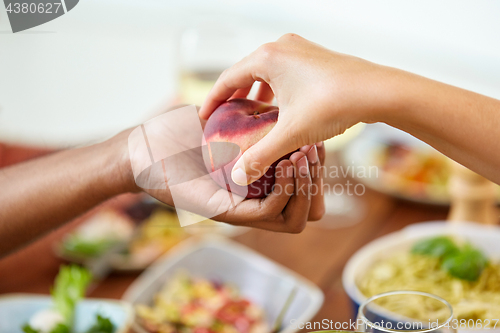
pixel 461 124
pixel 40 195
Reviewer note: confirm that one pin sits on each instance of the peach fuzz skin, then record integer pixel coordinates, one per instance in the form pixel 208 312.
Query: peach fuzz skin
pixel 242 122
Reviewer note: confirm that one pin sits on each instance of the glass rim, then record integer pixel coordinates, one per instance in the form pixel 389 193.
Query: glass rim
pixel 336 331
pixel 366 321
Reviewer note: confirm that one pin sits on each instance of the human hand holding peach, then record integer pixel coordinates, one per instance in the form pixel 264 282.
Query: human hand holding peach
pixel 320 93
pixel 179 174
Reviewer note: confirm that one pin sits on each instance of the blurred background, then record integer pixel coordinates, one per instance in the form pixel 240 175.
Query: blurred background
pixel 106 65
pixel 111 64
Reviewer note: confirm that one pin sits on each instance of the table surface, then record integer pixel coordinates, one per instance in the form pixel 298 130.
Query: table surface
pixel 318 254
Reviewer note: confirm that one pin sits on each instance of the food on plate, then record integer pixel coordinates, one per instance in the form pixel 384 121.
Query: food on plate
pixel 459 273
pixel 187 304
pixel 98 234
pixel 241 123
pixel 156 235
pixel 69 288
pixel 136 246
pixel 413 171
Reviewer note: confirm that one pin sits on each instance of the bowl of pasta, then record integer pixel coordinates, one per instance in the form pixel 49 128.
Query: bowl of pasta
pixel 459 262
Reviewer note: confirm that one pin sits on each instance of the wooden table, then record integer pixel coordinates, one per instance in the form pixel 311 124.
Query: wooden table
pixel 318 254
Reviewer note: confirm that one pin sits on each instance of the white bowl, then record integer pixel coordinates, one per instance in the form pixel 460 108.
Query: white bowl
pixel 259 279
pixel 17 309
pixel 486 238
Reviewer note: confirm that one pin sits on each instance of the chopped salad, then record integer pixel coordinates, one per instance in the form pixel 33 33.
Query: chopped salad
pixel 196 305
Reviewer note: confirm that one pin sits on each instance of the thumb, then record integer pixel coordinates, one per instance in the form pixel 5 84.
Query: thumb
pixel 257 159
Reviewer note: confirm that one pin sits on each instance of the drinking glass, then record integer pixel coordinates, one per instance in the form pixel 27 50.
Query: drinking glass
pixel 205 51
pixel 405 311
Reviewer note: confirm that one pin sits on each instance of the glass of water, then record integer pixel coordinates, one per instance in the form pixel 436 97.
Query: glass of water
pixel 405 311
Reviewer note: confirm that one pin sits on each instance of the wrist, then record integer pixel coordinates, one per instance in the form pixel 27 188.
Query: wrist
pixel 120 177
pixel 388 95
pixel 400 98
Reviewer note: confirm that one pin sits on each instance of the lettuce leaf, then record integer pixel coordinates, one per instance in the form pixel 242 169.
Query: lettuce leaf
pixel 76 245
pixel 69 288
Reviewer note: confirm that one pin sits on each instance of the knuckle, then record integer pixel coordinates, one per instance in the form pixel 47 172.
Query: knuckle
pixel 224 74
pixel 317 214
pixel 296 228
pixel 288 37
pixel 266 51
pixel 223 77
pixel 269 216
pixel 279 170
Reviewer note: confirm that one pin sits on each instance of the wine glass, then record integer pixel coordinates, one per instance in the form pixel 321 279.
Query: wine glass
pixel 405 311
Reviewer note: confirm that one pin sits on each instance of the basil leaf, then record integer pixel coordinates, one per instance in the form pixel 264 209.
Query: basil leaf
pixel 438 247
pixel 467 264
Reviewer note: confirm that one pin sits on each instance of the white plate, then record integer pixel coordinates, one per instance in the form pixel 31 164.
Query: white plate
pixel 361 154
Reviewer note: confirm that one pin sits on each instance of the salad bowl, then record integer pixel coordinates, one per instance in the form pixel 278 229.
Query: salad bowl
pixel 258 279
pixel 16 310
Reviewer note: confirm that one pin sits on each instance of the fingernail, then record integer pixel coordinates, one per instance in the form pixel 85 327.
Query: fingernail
pixel 319 144
pixel 312 155
pixel 289 171
pixel 239 177
pixel 303 166
pixel 305 149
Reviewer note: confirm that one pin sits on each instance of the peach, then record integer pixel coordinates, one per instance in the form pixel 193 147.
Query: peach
pixel 239 123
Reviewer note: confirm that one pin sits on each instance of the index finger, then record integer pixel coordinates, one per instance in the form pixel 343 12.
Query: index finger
pixel 239 76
